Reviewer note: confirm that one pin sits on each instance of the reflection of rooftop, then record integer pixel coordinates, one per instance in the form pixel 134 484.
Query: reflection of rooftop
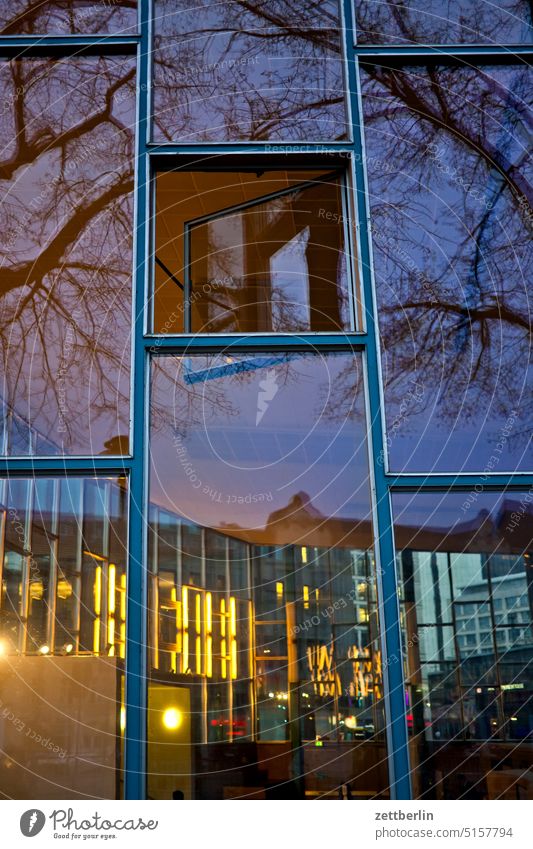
pixel 300 523
pixel 484 533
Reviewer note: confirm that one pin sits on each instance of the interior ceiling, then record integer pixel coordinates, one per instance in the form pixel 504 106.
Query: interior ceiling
pixel 185 195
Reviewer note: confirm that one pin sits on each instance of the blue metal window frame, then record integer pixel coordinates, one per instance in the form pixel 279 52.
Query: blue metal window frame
pixel 145 345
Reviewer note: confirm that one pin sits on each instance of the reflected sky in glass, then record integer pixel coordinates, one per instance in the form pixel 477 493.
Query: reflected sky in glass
pixel 271 448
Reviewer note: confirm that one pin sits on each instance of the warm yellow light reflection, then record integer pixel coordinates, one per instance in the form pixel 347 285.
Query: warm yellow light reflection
pixel 36 590
pixel 198 614
pixel 97 608
pixel 111 588
pixel 232 617
pixel 208 613
pixel 209 657
pixel 199 655
pixel 96 635
pixel 64 589
pixel 185 607
pixel 184 613
pixel 122 610
pixel 44 650
pixel 111 636
pixel 233 659
pixel 122 718
pixel 279 589
pixel 111 603
pixel 223 668
pixel 172 718
pixel 185 652
pixel 98 590
pixel 304 554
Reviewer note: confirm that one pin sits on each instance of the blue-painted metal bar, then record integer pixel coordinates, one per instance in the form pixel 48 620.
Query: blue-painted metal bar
pixel 394 686
pixel 409 52
pixel 489 480
pixel 247 149
pixel 85 466
pixel 239 366
pixel 259 341
pixel 136 625
pixel 67 45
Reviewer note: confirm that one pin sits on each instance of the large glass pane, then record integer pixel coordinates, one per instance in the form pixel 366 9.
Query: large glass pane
pixel 67 17
pixel 235 71
pixel 465 562
pixel 443 22
pixel 450 191
pixel 252 251
pixel 66 180
pixel 266 674
pixel 62 637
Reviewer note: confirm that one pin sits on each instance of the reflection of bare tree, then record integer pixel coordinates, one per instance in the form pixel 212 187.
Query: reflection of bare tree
pixel 249 70
pixel 451 230
pixel 67 178
pixel 443 21
pixel 51 17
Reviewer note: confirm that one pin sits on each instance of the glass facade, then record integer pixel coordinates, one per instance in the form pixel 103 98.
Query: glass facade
pixel 67 205
pixel 263 612
pixel 466 590
pixel 62 636
pixel 266 477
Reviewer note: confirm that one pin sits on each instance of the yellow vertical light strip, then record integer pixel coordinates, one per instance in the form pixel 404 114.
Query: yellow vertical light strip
pixel 223 657
pixel 179 631
pixel 279 589
pixel 185 654
pixel 232 617
pixel 98 590
pixel 111 636
pixel 209 632
pixel 306 597
pixel 249 673
pixel 123 597
pixel 185 603
pixel 97 608
pixel 185 626
pixel 96 635
pixel 209 656
pixel 123 615
pixel 233 659
pixel 111 588
pixel 233 635
pixel 304 554
pixel 198 629
pixel 173 654
pixel 111 605
pixel 208 613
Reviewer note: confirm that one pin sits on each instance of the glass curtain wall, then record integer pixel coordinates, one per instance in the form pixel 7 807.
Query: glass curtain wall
pixel 259 553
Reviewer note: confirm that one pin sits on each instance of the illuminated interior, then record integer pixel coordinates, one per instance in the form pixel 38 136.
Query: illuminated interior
pixel 277 649
pixel 62 635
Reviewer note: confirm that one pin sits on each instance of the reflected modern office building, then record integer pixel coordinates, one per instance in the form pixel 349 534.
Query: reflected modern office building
pixel 266 473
